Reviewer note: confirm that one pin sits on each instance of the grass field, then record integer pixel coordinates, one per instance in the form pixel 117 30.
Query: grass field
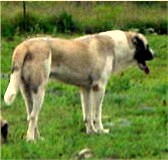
pixel 135 110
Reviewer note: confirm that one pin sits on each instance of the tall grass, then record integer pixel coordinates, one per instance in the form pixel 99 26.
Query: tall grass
pixel 83 17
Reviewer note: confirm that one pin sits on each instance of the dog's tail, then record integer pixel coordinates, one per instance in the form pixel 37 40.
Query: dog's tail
pixel 15 77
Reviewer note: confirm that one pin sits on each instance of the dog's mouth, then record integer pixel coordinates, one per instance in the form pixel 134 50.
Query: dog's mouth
pixel 143 66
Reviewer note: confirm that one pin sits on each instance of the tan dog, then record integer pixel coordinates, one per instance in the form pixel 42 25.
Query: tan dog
pixel 86 62
pixel 4 130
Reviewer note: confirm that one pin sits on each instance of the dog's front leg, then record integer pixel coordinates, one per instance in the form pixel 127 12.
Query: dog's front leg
pixel 87 107
pixel 98 96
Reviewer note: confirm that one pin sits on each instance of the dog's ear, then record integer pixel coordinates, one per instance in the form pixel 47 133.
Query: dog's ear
pixel 138 42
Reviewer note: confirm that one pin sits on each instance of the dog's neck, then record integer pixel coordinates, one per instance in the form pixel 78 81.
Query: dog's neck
pixel 122 63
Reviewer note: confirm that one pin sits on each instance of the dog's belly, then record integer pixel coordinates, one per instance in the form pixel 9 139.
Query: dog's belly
pixel 73 77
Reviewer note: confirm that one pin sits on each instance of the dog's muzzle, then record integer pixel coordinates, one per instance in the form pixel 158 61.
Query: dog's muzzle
pixel 147 56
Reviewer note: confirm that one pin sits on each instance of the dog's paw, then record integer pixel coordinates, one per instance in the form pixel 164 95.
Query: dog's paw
pixel 91 131
pixel 33 139
pixel 30 139
pixel 105 131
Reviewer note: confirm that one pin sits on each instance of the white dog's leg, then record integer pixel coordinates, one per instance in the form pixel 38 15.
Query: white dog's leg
pixel 27 96
pixel 86 100
pixel 98 96
pixel 32 132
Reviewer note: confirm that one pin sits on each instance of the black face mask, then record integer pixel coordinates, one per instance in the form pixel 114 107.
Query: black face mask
pixel 143 53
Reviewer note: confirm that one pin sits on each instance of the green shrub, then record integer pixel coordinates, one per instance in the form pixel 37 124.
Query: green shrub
pixel 19 24
pixel 69 18
pixel 47 24
pixel 7 30
pixel 66 24
pixel 25 24
pixel 33 23
pixel 161 28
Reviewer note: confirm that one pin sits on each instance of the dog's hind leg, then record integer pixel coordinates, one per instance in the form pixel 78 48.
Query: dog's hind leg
pixel 37 78
pixel 37 97
pixel 86 100
pixel 98 96
pixel 27 96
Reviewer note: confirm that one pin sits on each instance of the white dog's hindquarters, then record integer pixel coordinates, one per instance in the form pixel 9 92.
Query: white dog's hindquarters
pixel 13 87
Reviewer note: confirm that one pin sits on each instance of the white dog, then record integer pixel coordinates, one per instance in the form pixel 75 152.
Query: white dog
pixel 86 62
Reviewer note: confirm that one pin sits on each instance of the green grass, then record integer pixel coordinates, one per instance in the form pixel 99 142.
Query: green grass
pixel 135 110
pixel 82 17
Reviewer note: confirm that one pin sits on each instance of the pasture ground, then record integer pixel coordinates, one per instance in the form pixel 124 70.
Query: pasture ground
pixel 135 110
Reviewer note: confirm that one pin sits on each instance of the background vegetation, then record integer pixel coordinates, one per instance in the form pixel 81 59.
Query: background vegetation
pixel 135 106
pixel 82 17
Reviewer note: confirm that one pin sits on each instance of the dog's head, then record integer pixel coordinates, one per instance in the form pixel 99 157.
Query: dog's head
pixel 4 130
pixel 143 52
